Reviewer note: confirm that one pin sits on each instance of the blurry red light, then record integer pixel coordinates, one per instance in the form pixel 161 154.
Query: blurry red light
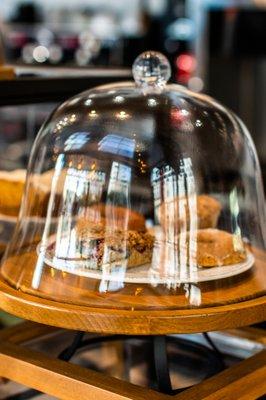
pixel 177 116
pixel 186 62
pixel 183 77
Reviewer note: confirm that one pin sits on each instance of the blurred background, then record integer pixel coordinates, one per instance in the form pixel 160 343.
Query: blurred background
pixel 216 47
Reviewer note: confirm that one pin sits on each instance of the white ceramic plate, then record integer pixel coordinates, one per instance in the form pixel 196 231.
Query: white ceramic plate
pixel 117 272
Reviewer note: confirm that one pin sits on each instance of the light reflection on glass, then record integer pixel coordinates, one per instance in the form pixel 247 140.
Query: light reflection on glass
pixel 118 194
pixel 152 102
pixel 122 115
pixel 119 99
pixel 198 123
pixel 234 208
pixel 66 121
pixel 184 112
pixel 36 279
pixel 88 102
pixel 175 204
pixel 117 145
pixel 76 141
pixel 93 114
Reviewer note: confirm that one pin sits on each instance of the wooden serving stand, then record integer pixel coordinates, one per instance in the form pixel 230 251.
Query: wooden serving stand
pixel 64 380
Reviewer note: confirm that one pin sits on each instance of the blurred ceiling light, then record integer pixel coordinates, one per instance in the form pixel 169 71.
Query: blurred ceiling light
pixel 156 7
pixel 181 29
pixel 44 36
pixel 130 25
pixel 41 54
pixel 196 84
pixel 103 27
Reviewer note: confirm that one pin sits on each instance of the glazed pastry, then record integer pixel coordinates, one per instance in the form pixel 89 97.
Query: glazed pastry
pixel 100 245
pixel 180 209
pixel 213 247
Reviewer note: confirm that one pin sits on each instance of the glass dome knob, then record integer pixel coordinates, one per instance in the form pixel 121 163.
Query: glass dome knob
pixel 151 69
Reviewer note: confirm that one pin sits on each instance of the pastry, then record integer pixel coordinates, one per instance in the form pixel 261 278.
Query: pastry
pixel 2 248
pixel 11 191
pixel 101 245
pixel 180 211
pixel 213 247
pixel 117 217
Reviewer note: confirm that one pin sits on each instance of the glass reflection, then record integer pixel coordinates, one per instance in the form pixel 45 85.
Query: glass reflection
pixel 117 145
pixel 175 205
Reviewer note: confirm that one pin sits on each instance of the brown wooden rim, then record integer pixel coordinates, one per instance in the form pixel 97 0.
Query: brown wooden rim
pixel 127 322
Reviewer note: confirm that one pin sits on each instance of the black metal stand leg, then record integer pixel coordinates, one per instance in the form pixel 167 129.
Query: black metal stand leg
pixel 161 364
pixel 215 349
pixel 69 352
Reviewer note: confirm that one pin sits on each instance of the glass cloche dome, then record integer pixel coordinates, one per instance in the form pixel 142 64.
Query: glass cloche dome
pixel 141 195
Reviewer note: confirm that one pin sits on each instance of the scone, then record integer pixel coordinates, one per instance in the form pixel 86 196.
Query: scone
pixel 117 217
pixel 179 211
pixel 213 247
pixel 99 245
pixel 11 191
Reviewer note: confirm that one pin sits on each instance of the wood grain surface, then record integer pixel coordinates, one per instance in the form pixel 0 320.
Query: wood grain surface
pixel 243 381
pixel 69 301
pixel 64 380
pixel 70 288
pixel 130 322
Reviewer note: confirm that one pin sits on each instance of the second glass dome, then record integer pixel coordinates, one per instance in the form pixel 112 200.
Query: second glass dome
pixel 141 196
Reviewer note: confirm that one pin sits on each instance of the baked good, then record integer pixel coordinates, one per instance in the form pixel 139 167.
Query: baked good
pixel 118 217
pixel 2 248
pixel 11 191
pixel 179 211
pixel 99 244
pixel 213 247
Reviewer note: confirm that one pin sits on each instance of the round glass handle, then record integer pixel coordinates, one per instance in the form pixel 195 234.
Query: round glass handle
pixel 151 70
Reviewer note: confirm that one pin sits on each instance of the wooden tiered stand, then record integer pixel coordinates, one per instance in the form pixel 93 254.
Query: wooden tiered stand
pixel 64 380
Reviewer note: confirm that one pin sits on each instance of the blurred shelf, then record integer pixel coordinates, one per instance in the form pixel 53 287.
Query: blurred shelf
pixel 52 84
